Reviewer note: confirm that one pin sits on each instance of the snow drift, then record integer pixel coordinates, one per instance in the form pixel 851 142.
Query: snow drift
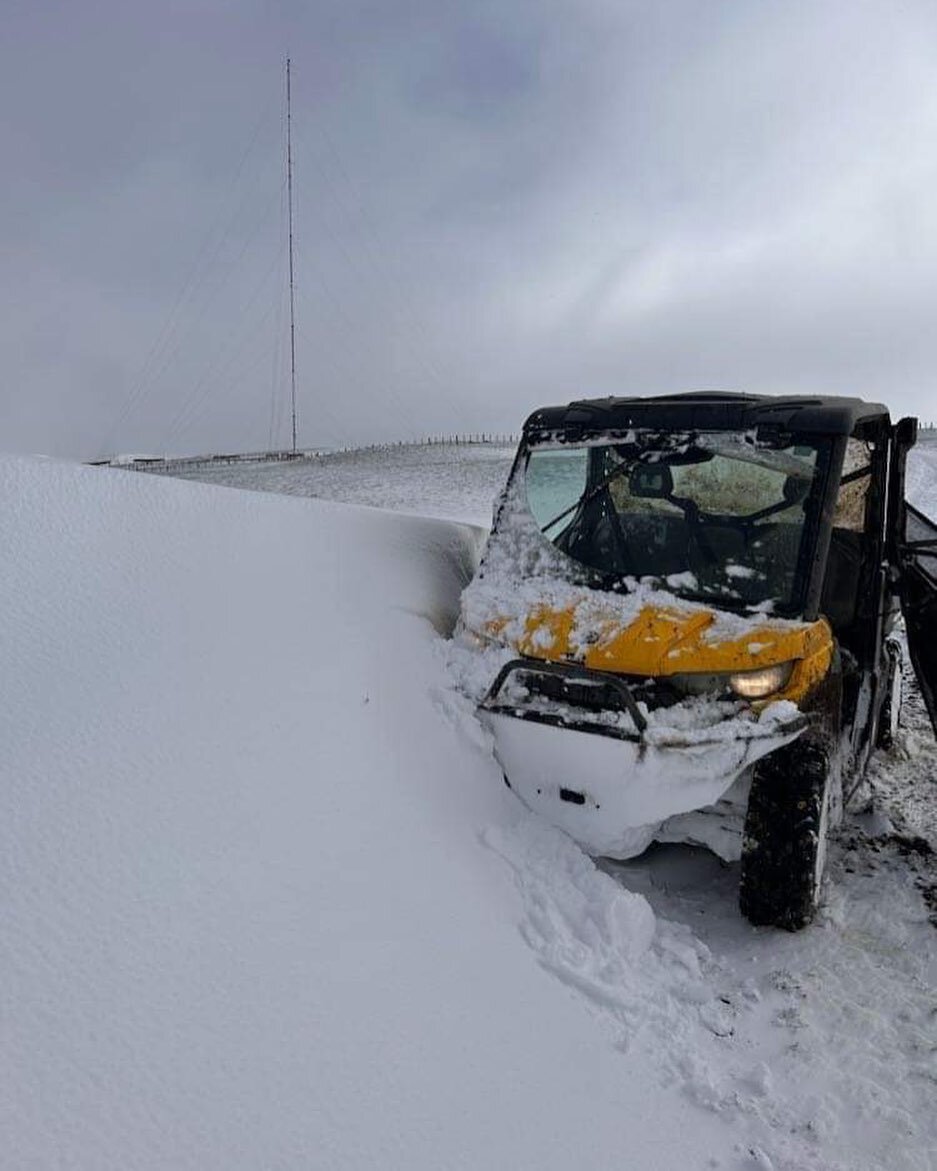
pixel 266 902
pixel 248 918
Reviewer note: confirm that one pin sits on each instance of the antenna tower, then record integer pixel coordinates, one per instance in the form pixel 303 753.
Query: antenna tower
pixel 289 200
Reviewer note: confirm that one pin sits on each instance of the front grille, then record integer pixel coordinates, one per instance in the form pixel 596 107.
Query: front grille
pixel 596 695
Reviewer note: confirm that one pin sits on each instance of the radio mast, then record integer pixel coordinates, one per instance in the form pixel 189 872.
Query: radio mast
pixel 289 201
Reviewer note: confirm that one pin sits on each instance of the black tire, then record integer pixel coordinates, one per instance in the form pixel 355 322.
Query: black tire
pixel 890 710
pixel 784 845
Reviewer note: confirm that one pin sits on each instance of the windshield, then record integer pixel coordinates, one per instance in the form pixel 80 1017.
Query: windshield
pixel 713 516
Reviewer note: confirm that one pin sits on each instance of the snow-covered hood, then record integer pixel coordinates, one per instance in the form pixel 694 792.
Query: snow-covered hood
pixel 649 632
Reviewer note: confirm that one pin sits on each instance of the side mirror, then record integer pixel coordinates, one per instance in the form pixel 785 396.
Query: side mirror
pixel 906 433
pixel 652 481
pixel 904 436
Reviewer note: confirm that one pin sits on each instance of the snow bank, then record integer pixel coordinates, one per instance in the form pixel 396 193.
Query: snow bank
pixel 248 917
pixel 266 902
pixel 454 480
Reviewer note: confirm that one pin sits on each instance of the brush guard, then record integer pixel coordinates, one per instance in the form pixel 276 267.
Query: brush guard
pixel 579 688
pixel 574 744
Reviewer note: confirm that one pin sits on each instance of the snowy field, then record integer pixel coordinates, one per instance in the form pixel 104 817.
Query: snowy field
pixel 266 902
pixel 457 481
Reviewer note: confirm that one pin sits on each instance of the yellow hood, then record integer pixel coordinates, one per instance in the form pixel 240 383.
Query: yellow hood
pixel 662 641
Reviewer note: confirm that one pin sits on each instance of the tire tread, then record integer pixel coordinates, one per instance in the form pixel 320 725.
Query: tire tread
pixel 779 885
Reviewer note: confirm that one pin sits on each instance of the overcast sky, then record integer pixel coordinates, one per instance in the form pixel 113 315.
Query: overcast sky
pixel 497 205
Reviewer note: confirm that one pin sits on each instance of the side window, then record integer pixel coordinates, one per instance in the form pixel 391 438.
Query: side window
pixel 854 485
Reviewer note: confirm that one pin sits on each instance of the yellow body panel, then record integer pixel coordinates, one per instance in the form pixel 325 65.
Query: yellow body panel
pixel 661 642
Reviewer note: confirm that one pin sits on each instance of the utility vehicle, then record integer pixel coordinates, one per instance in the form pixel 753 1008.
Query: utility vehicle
pixel 689 603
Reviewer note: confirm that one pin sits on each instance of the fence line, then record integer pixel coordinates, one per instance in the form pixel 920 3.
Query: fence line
pixel 177 463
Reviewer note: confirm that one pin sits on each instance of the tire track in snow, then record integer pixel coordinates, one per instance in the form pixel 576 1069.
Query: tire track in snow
pixel 820 1048
pixel 652 979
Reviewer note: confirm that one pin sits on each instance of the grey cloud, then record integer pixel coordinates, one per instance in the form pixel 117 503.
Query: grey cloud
pixel 497 204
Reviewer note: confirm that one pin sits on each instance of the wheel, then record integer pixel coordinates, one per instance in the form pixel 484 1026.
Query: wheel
pixel 890 712
pixel 784 844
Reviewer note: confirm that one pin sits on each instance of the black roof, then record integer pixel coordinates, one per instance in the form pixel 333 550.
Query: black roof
pixel 709 411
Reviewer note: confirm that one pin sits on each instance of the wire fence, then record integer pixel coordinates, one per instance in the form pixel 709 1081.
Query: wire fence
pixel 927 431
pixel 177 463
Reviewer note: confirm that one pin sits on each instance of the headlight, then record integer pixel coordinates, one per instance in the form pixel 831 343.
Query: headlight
pixel 758 684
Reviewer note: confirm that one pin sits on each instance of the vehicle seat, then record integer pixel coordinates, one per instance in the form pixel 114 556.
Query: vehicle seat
pixel 657 543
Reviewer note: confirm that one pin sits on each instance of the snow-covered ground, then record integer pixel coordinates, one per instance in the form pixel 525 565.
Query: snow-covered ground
pixel 266 902
pixel 921 486
pixel 459 481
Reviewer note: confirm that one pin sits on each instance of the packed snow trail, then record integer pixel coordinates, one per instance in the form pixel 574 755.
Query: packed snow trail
pixel 248 917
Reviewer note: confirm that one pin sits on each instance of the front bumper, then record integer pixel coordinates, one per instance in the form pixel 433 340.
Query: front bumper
pixel 610 773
